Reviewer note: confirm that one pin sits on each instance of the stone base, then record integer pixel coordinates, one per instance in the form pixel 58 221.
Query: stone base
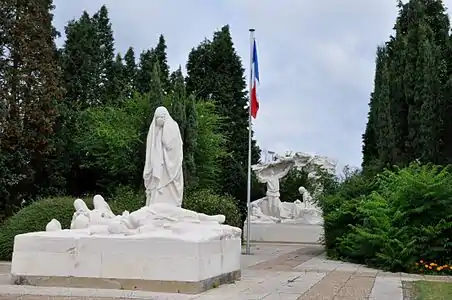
pixel 284 233
pixel 140 262
pixel 184 287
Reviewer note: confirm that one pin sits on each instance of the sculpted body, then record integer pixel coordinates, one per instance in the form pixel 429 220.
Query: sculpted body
pixel 101 219
pixel 162 174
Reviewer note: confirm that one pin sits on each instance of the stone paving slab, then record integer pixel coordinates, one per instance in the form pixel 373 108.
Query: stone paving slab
pixel 387 288
pixel 356 288
pixel 327 288
pixel 289 260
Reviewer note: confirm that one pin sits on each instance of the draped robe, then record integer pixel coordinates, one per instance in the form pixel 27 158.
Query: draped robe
pixel 163 176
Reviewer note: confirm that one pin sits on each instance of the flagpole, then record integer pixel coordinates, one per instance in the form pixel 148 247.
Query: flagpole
pixel 250 124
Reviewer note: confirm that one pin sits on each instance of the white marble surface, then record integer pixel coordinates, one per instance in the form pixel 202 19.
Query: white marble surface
pixel 76 253
pixel 162 174
pixel 270 209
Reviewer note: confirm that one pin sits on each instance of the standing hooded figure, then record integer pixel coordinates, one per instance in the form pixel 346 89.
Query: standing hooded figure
pixel 163 177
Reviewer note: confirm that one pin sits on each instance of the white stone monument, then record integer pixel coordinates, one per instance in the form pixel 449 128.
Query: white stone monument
pixel 288 222
pixel 159 247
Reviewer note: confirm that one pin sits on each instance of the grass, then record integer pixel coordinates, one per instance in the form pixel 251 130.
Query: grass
pixel 433 290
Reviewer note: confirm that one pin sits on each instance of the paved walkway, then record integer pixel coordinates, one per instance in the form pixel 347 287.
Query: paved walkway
pixel 272 272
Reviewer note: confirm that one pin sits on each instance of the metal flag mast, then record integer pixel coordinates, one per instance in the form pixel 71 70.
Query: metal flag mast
pixel 250 124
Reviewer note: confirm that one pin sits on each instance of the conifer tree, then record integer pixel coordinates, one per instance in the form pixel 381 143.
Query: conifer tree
pixel 106 54
pixel 144 73
pixel 215 73
pixel 29 79
pixel 130 72
pixel 161 58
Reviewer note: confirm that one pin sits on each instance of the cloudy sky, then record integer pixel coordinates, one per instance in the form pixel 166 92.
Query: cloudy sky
pixel 316 58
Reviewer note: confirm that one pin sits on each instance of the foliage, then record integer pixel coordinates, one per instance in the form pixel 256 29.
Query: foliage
pixel 108 140
pixel 205 201
pixel 210 148
pixel 291 183
pixel 29 91
pixel 215 73
pixel 87 133
pixel 35 217
pixel 392 220
pixel 410 106
pixel 126 198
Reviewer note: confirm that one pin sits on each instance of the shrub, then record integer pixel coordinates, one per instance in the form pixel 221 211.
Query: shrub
pixel 35 218
pixel 340 209
pixel 204 201
pixel 126 198
pixel 405 217
pixel 291 183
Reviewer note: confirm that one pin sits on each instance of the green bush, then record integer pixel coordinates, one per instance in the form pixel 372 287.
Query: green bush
pixel 126 198
pixel 204 201
pixel 403 216
pixel 35 218
pixel 340 209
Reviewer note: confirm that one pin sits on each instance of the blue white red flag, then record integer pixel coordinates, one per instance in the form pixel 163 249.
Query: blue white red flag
pixel 254 82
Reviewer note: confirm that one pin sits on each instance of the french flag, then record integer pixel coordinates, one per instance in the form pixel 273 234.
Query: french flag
pixel 254 82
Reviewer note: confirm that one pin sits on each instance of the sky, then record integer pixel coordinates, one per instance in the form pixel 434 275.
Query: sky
pixel 316 59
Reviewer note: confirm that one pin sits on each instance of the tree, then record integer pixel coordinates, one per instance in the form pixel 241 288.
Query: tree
pixel 29 78
pixel 144 74
pixel 160 57
pixel 108 140
pixel 210 148
pixel 156 96
pixel 215 73
pixel 106 53
pixel 79 63
pixel 377 137
pixel 130 72
pixel 410 103
pixel 190 141
pixel 178 101
pixel 118 81
pixel 87 60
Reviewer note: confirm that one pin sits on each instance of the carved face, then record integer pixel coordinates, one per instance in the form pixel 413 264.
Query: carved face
pixel 160 116
pixel 160 120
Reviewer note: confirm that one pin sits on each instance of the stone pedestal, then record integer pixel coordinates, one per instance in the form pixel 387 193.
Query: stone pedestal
pixel 139 262
pixel 284 233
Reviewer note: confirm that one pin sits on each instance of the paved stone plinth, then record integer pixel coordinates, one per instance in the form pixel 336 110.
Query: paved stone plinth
pixel 187 287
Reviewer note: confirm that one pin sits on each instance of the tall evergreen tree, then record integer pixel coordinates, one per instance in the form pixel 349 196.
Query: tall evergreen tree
pixel 144 74
pixel 190 141
pixel 156 96
pixel 29 79
pixel 87 60
pixel 178 101
pixel 118 83
pixel 409 105
pixel 106 54
pixel 79 63
pixel 130 72
pixel 370 137
pixel 160 57
pixel 215 72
